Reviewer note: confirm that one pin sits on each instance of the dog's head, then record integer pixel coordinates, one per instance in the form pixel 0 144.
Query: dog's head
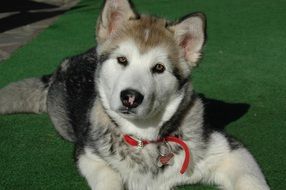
pixel 145 61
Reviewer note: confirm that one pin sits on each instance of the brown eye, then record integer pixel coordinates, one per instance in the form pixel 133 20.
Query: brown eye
pixel 122 60
pixel 158 68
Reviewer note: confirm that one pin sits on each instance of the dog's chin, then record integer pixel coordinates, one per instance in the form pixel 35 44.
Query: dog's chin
pixel 130 113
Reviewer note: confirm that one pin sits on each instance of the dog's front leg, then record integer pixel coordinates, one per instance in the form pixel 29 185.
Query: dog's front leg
pixel 239 171
pixel 98 174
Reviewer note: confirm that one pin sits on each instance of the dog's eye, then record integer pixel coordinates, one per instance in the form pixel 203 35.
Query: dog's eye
pixel 122 60
pixel 158 68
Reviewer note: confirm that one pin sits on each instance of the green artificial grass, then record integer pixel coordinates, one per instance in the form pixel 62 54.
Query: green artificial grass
pixel 244 62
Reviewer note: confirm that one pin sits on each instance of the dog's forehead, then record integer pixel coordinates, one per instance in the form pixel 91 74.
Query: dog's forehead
pixel 147 33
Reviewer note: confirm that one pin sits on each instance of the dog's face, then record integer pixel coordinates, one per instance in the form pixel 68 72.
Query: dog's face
pixel 138 84
pixel 145 61
pixel 139 74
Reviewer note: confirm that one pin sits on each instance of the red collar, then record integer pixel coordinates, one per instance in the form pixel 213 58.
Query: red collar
pixel 141 143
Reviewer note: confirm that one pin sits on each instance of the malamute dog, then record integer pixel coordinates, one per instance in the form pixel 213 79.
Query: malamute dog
pixel 129 108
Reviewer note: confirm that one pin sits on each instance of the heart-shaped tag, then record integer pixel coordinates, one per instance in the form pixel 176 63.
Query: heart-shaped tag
pixel 167 159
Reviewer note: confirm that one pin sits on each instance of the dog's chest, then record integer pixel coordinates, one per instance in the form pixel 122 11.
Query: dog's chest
pixel 139 168
pixel 146 174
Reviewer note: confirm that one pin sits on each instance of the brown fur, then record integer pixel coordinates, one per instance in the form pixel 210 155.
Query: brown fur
pixel 158 36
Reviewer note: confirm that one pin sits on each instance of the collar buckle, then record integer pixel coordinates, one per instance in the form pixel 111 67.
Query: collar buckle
pixel 140 144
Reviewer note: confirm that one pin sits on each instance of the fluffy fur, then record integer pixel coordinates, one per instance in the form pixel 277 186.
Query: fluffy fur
pixel 83 98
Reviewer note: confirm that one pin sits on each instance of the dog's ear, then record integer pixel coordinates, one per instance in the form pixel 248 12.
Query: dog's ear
pixel 113 16
pixel 190 35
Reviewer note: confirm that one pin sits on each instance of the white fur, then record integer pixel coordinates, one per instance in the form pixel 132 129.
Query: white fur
pixel 137 75
pixel 231 170
pixel 99 175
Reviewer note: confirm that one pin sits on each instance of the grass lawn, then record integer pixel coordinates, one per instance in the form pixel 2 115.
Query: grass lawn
pixel 244 62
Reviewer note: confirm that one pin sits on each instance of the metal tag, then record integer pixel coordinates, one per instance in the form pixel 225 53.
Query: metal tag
pixel 166 160
pixel 166 156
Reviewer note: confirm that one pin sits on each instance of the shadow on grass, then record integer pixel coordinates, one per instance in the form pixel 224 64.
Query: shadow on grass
pixel 218 114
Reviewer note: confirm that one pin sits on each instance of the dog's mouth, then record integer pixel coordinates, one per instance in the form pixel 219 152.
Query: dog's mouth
pixel 127 111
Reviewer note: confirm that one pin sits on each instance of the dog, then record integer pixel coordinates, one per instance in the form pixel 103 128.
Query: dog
pixel 129 107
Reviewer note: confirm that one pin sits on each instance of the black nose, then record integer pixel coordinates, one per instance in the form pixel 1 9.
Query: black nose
pixel 131 98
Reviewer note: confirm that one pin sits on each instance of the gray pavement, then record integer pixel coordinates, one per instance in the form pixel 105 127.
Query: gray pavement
pixel 13 38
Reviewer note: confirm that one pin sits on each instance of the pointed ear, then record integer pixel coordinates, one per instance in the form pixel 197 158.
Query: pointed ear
pixel 113 16
pixel 190 35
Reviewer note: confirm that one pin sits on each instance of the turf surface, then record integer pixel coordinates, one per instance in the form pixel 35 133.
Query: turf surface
pixel 244 62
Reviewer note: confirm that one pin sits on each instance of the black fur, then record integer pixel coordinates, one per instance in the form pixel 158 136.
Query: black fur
pixel 46 79
pixel 73 87
pixel 80 89
pixel 182 81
